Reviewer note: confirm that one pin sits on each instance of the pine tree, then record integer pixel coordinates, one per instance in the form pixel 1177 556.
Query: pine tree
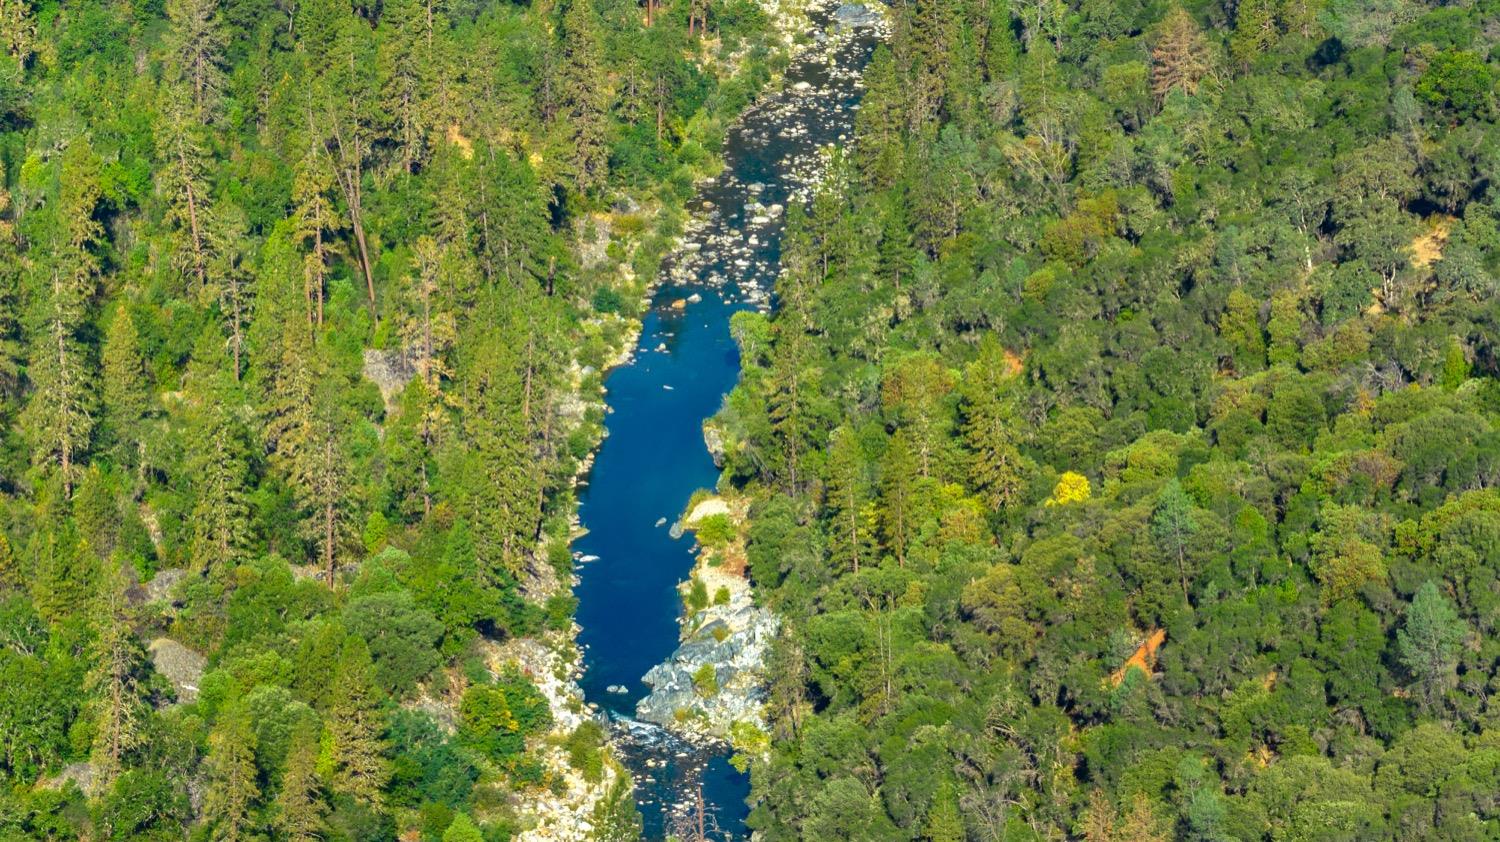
pixel 17 29
pixel 12 349
pixel 60 415
pixel 1456 366
pixel 1141 824
pixel 1099 819
pixel 232 791
pixel 402 57
pixel 111 681
pixel 462 829
pixel 287 406
pixel 344 126
pixel 317 224
pixel 1240 327
pixel 1430 642
pixel 126 401
pixel 183 179
pixel 697 17
pixel 1173 525
pixel 506 481
pixel 585 95
pixel 790 393
pixel 897 253
pixel 195 53
pixel 944 824
pixel 927 45
pixel 850 513
pixel 1255 30
pixel 898 488
pixel 303 428
pixel 216 460
pixel 412 436
pixel 356 726
pixel 65 575
pixel 1181 59
pixel 512 219
pixel 881 122
pixel 230 278
pixel 12 579
pixel 991 431
pixel 301 813
pixel 428 325
pixel 319 473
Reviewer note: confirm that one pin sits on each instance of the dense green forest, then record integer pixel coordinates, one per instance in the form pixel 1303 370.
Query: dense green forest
pixel 1125 444
pixel 214 216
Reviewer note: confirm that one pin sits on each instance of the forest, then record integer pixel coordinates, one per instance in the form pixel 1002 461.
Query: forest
pixel 301 311
pixel 1124 444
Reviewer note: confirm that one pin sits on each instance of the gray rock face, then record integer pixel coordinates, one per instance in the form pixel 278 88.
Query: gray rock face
pixel 854 16
pixel 390 371
pixel 732 640
pixel 158 589
pixel 181 666
pixel 713 439
pixel 593 242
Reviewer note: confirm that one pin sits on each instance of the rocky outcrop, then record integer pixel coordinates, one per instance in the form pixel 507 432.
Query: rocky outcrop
pixel 706 508
pixel 78 774
pixel 594 234
pixel 566 810
pixel 714 679
pixel 158 589
pixel 713 439
pixel 855 15
pixel 179 665
pixel 390 371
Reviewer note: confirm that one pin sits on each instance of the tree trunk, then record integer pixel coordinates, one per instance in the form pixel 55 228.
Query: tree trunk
pixel 192 203
pixel 66 439
pixel 350 177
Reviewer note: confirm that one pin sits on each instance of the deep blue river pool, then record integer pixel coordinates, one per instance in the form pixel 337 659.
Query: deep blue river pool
pixel 654 457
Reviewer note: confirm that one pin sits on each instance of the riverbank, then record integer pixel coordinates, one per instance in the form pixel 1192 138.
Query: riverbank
pixel 679 369
pixel 713 685
pixel 575 806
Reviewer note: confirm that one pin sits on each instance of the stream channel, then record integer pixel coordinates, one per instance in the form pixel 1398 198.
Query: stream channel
pixel 685 362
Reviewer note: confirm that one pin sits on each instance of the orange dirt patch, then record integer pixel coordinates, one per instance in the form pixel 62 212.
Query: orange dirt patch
pixel 1427 248
pixel 456 137
pixel 1144 658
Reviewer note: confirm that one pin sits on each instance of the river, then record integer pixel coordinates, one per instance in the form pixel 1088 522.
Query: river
pixel 653 456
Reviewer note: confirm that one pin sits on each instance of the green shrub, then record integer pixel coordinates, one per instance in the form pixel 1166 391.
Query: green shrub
pixel 714 531
pixel 697 598
pixel 706 680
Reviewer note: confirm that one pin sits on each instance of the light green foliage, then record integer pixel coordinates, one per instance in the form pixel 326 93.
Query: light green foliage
pixel 1430 640
pixel 714 531
pixel 210 214
pixel 706 681
pixel 585 750
pixel 696 597
pixel 462 829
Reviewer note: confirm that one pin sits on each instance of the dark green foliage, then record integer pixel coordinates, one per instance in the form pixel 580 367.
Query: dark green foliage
pixel 1152 497
pixel 428 767
pixel 400 635
pixel 495 720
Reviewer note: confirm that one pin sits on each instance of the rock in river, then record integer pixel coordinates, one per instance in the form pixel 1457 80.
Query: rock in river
pixel 731 646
